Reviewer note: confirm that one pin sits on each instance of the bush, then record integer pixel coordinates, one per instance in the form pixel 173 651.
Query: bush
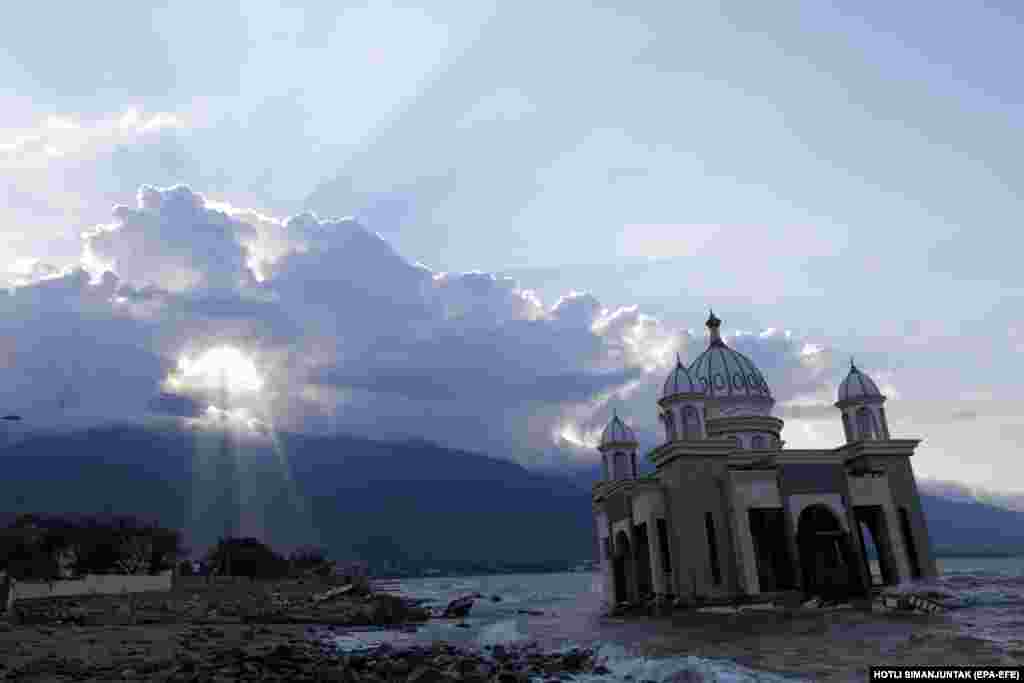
pixel 247 557
pixel 311 560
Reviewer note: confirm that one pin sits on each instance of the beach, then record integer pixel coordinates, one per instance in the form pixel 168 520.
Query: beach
pixel 535 621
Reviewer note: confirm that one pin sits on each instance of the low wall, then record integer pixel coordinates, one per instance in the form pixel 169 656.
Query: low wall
pixel 92 584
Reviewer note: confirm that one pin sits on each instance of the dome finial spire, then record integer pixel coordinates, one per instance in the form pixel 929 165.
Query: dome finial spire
pixel 713 324
pixel 852 366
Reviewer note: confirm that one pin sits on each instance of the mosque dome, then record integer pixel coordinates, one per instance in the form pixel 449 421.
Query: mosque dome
pixel 617 432
pixel 723 372
pixel 857 386
pixel 680 381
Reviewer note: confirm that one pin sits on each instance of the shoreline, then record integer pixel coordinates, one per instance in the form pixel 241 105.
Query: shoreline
pixel 833 645
pixel 281 631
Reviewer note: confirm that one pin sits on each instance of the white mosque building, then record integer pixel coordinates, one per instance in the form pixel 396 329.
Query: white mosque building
pixel 730 512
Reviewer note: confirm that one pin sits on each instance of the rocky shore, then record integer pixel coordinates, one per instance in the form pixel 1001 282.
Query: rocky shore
pixel 265 653
pixel 252 631
pixel 244 602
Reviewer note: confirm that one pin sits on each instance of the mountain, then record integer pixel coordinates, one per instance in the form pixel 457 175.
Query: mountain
pixel 960 527
pixel 412 504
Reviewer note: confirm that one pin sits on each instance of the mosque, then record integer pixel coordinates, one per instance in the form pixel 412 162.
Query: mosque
pixel 729 512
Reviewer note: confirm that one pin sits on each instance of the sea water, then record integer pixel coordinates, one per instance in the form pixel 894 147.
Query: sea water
pixel 559 611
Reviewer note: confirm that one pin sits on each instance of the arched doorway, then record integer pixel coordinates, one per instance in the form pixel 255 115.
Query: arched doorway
pixel 827 558
pixel 623 567
pixel 645 578
pixel 876 544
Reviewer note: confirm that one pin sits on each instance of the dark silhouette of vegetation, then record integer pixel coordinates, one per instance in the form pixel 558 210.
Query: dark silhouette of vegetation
pixel 38 547
pixel 246 557
pixel 310 559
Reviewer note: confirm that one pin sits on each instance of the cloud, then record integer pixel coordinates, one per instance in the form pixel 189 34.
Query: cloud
pixel 173 241
pixel 59 137
pixel 343 333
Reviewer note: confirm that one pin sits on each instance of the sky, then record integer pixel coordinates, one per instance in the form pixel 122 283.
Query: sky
pixel 544 201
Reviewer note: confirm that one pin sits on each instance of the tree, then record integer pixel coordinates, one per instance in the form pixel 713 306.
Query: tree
pixel 247 557
pixel 54 547
pixel 135 554
pixel 308 557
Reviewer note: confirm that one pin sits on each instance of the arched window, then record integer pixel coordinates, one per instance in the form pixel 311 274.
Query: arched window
pixel 885 422
pixel 691 423
pixel 846 427
pixel 622 468
pixel 670 425
pixel 864 423
pixel 757 442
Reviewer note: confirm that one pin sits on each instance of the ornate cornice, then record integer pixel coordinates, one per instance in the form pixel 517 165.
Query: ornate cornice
pixel 879 448
pixel 603 489
pixel 703 448
pixel 618 445
pixel 740 423
pixel 689 396
pixel 859 401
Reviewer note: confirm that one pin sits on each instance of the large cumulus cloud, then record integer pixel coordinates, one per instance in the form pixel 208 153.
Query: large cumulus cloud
pixel 347 334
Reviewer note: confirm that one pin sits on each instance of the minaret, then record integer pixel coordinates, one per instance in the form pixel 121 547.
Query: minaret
pixel 618 451
pixel 682 406
pixel 861 404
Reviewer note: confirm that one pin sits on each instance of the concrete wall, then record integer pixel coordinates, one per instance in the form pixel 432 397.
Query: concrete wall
pixel 874 491
pixel 93 584
pixel 603 537
pixel 905 494
pixel 694 487
pixel 750 489
pixel 648 505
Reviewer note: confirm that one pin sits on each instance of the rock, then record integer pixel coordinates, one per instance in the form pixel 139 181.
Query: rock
pixel 601 670
pixel 283 651
pixel 574 660
pixel 459 607
pixel 425 674
pixel 337 675
pixel 686 676
pixel 495 598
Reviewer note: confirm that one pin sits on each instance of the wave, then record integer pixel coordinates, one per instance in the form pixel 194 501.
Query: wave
pixel 970 589
pixel 625 666
pixel 500 633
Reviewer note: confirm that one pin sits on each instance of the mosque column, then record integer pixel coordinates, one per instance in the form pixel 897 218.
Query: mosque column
pixel 611 551
pixel 634 558
pixel 744 554
pixel 789 528
pixel 658 577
